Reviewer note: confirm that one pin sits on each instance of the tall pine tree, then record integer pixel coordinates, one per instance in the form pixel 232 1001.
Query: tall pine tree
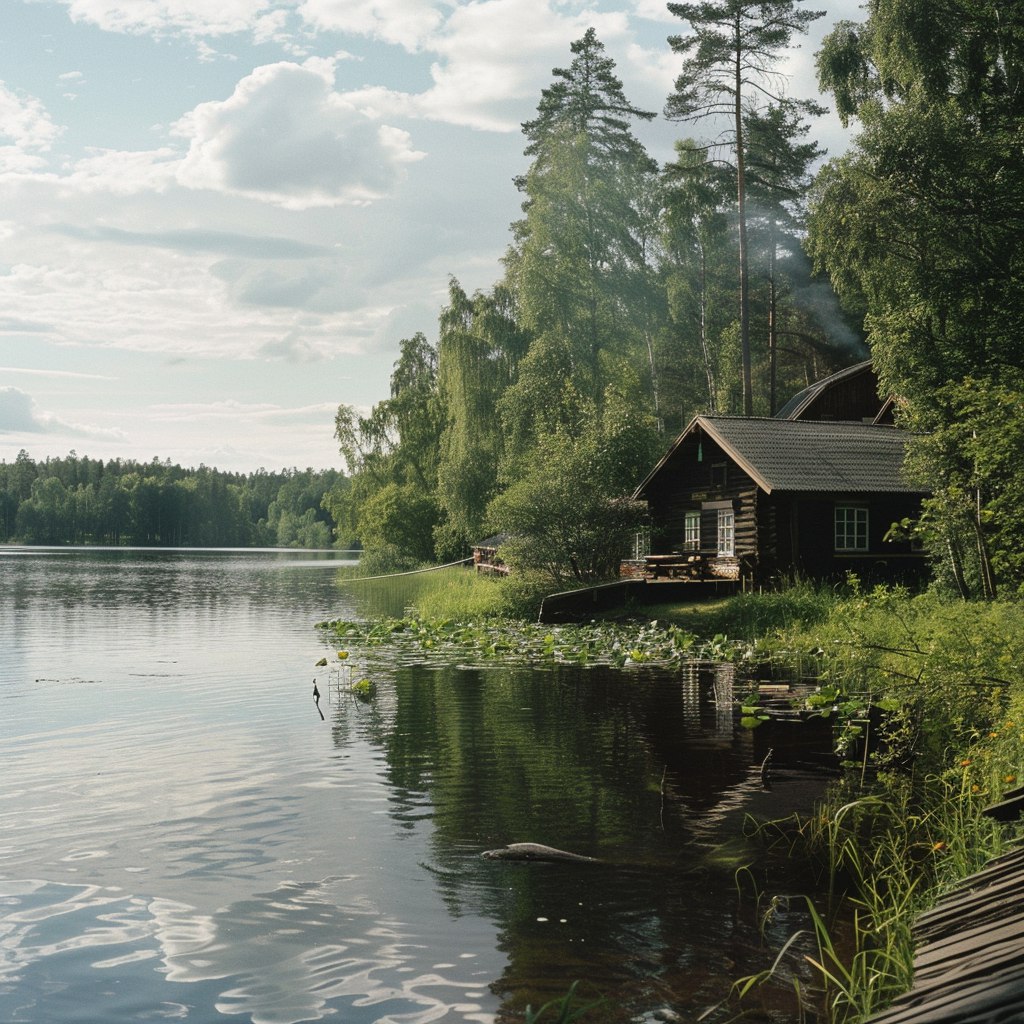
pixel 577 250
pixel 729 64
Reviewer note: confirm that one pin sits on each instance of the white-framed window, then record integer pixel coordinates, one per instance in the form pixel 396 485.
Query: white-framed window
pixel 851 528
pixel 726 531
pixel 691 531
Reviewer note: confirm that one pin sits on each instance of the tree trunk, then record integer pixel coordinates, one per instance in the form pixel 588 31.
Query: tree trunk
pixel 772 325
pixel 741 202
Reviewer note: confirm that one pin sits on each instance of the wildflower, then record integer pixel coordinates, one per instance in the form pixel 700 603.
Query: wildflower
pixel 940 845
pixel 343 655
pixel 975 788
pixel 1010 778
pixel 965 762
pixel 993 735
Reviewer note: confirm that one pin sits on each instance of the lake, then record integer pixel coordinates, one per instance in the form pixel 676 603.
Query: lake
pixel 184 837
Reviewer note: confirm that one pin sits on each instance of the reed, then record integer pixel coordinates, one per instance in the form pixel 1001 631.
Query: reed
pixel 565 1010
pixel 887 856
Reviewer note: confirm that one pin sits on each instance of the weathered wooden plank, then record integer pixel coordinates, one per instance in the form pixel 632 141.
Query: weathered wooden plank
pixel 969 966
pixel 994 999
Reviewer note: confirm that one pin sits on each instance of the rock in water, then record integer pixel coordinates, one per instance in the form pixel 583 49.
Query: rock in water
pixel 539 852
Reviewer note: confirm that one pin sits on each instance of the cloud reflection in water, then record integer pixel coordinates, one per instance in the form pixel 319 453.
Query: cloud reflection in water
pixel 290 955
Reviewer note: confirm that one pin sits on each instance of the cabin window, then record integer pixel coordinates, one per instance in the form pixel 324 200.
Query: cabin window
pixel 726 531
pixel 851 528
pixel 691 531
pixel 718 474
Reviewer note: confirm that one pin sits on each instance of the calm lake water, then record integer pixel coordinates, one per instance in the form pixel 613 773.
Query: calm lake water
pixel 182 837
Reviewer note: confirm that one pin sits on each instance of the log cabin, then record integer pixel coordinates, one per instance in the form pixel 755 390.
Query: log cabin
pixel 799 495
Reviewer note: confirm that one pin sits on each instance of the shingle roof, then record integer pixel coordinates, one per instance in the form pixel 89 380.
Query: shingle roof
pixel 807 455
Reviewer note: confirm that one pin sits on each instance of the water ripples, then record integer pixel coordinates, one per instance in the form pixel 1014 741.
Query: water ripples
pixel 183 838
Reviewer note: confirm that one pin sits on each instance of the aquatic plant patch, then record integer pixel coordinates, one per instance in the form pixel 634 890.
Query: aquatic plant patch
pixel 513 641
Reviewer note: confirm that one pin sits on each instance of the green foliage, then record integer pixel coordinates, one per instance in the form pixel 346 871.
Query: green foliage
pixel 480 348
pixel 942 670
pixel 751 617
pixel 518 642
pixel 729 56
pixel 455 593
pixel 919 228
pixel 392 456
pixel 364 690
pixel 401 516
pixel 579 264
pixel 78 500
pixel 975 452
pixel 565 517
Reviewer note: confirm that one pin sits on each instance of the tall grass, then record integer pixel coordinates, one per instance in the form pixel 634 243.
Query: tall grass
pixel 749 616
pixel 455 593
pixel 886 857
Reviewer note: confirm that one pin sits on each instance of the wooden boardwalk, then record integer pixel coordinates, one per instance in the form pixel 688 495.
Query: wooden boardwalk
pixel 969 964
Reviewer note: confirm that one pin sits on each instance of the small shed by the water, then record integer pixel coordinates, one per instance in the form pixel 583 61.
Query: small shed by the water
pixel 486 557
pixel 753 499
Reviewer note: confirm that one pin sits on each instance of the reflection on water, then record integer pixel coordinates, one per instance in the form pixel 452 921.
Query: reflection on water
pixel 183 838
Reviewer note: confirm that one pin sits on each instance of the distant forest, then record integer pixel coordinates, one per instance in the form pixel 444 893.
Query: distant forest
pixel 78 500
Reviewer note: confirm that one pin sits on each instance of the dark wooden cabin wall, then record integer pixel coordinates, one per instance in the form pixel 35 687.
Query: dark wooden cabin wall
pixel 672 499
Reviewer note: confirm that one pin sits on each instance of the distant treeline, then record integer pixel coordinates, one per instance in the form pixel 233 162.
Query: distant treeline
pixel 78 500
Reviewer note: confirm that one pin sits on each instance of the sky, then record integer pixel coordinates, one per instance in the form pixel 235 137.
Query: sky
pixel 219 218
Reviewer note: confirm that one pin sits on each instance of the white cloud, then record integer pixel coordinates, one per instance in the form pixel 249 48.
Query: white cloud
pixel 243 412
pixel 496 54
pixel 166 300
pixel 20 415
pixel 407 23
pixel 122 172
pixel 287 137
pixel 192 17
pixel 27 130
pixel 56 373
pixel 654 10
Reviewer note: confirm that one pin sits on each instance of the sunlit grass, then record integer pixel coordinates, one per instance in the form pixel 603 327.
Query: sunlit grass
pixel 456 593
pixel 747 616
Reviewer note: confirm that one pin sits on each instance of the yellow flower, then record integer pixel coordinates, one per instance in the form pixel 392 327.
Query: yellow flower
pixel 1010 778
pixel 940 845
pixel 343 655
pixel 975 788
pixel 965 762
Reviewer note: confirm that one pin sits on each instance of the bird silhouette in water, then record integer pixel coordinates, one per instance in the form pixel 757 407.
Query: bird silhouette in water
pixel 316 694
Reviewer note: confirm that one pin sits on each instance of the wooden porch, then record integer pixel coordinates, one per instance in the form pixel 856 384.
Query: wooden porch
pixel 677 566
pixel 695 567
